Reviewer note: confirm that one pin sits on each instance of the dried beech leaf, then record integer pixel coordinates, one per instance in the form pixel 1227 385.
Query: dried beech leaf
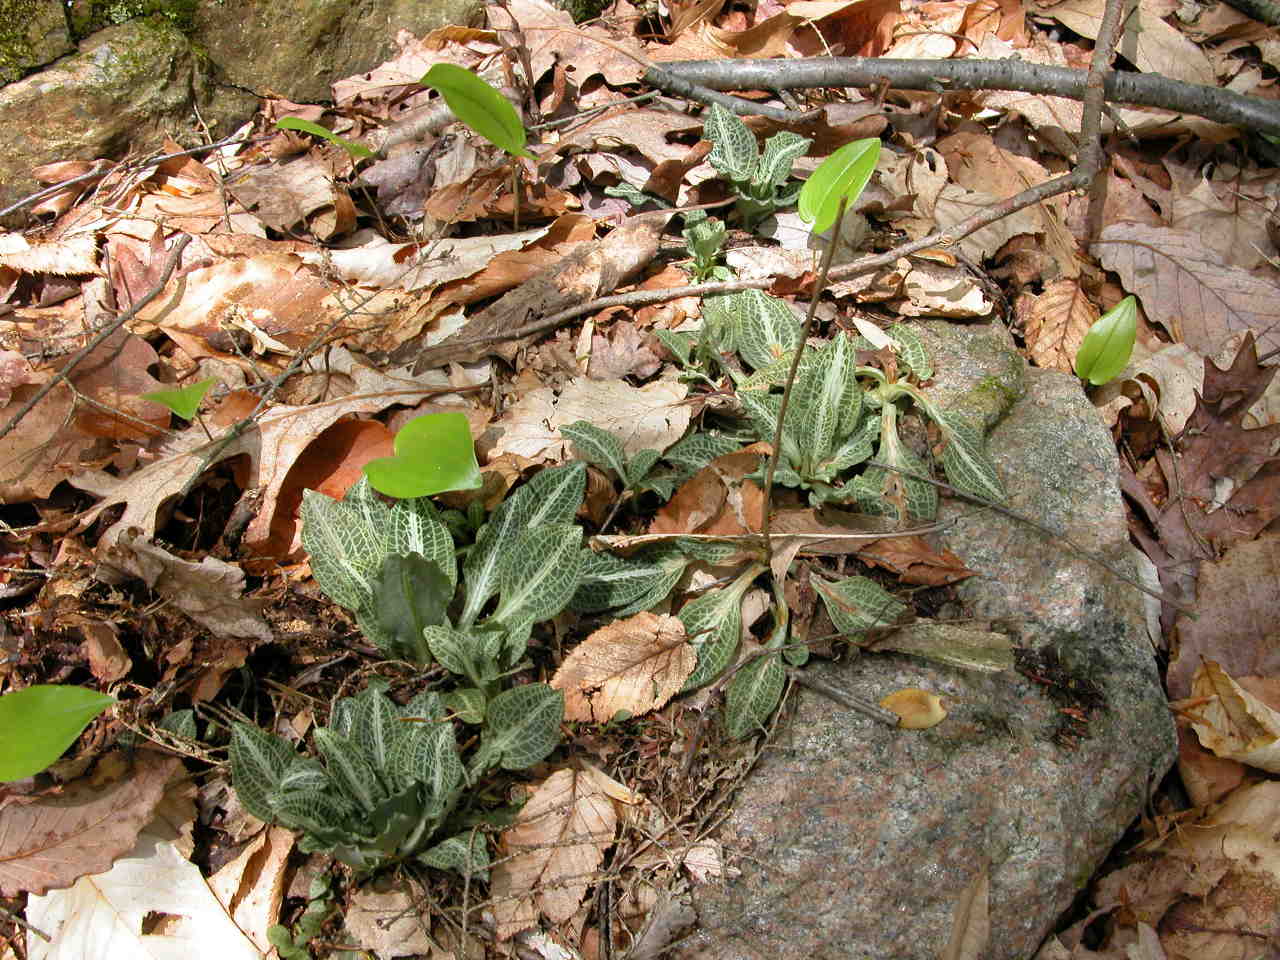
pixel 633 665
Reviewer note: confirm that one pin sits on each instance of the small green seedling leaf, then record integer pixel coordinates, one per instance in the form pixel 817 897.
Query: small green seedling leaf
pixel 843 174
pixel 37 723
pixel 306 126
pixel 184 402
pixel 434 453
pixel 1109 343
pixel 479 106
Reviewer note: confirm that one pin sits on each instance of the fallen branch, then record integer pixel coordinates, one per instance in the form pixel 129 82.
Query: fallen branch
pixel 1133 89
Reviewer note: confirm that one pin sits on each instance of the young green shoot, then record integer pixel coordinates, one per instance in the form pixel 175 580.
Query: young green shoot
pixel 185 402
pixel 433 454
pixel 841 177
pixel 356 150
pixel 1108 345
pixel 37 723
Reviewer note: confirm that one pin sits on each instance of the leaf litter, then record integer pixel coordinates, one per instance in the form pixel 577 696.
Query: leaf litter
pixel 324 326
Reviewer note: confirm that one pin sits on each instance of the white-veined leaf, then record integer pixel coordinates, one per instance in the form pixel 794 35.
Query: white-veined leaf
pixel 375 728
pixel 349 769
pixel 911 350
pixel 753 695
pixel 713 624
pixel 966 461
pixel 826 397
pixel 596 446
pixel 258 759
pixel 539 574
pixel 639 466
pixel 856 604
pixel 467 852
pixel 698 449
pixel 522 726
pixel 780 152
pixel 767 329
pixel 733 152
pixel 553 496
pixel 606 581
pixel 428 755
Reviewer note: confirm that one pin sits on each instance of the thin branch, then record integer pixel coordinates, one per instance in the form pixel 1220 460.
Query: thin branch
pixel 1134 89
pixel 169 265
pixel 1091 157
pixel 678 86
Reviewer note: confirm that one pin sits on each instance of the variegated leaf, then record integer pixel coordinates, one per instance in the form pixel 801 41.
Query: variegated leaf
pixel 305 773
pixel 698 449
pixel 522 726
pixel 753 695
pixel 323 815
pixel 780 152
pixel 966 461
pixel 257 760
pixel 826 397
pixel 607 581
pixel 911 350
pixel 553 496
pixel 375 728
pixel 767 329
pixel 639 468
pixel 733 152
pixel 853 449
pixel 671 570
pixel 596 446
pixel 463 854
pixel 349 769
pixel 921 496
pixel 762 409
pixel 539 574
pixel 720 314
pixel 344 546
pixel 857 604
pixel 713 624
pixel 412 530
pixel 680 344
pixel 467 704
pixel 429 756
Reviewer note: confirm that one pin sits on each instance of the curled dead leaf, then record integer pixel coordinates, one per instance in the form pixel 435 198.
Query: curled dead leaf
pixel 916 709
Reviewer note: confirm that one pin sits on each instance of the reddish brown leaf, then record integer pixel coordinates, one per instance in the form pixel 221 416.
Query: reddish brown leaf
pixel 50 843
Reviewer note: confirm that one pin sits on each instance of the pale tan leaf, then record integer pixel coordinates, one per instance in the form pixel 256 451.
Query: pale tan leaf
pixel 1183 287
pixel 553 850
pixel 1147 42
pixel 633 665
pixel 104 915
pixel 70 256
pixel 1055 324
pixel 252 886
pixel 971 923
pixel 1234 723
pixel 652 417
pixel 388 923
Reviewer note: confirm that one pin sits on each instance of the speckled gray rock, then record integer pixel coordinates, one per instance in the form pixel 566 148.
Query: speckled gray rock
pixel 851 840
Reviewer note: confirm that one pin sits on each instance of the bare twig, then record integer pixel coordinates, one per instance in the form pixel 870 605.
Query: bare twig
pixel 1091 157
pixel 169 266
pixel 1135 89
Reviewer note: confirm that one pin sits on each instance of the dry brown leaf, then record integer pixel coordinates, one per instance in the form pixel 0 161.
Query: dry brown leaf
pixel 916 709
pixel 48 844
pixel 252 886
pixel 1232 722
pixel 388 923
pixel 718 500
pixel 590 270
pixel 634 665
pixel 554 848
pixel 69 256
pixel 1187 289
pixel 1208 778
pixel 1055 324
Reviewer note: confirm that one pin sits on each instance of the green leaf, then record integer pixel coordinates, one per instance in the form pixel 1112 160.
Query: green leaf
pixel 467 704
pixel 762 409
pixel 753 695
pixel 733 152
pixel 966 461
pixel 843 174
pixel 857 604
pixel 1108 345
pixel 853 449
pixel 184 402
pixel 713 624
pixel 306 126
pixel 428 755
pixel 349 769
pixel 468 653
pixel 37 723
pixel 911 350
pixel 413 526
pixel 680 344
pixel 467 852
pixel 767 329
pixel 553 496
pixel 376 728
pixel 324 816
pixel 596 446
pixel 539 574
pixel 410 594
pixel 921 496
pixel 780 152
pixel 522 727
pixel 825 399
pixel 698 449
pixel 344 542
pixel 258 759
pixel 479 106
pixel 672 568
pixel 639 466
pixel 606 581
pixel 434 454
